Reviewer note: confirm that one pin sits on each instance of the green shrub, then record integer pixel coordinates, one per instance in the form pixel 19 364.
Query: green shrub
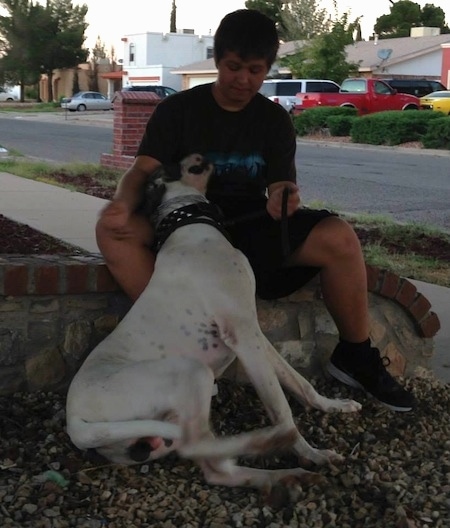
pixel 366 130
pixel 392 127
pixel 438 133
pixel 31 92
pixel 315 119
pixel 340 125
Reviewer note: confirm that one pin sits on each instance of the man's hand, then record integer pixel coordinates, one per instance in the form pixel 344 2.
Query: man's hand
pixel 275 202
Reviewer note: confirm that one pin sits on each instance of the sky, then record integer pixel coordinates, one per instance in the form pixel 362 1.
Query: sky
pixel 138 16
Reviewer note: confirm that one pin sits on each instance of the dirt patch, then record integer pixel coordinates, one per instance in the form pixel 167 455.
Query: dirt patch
pixel 21 239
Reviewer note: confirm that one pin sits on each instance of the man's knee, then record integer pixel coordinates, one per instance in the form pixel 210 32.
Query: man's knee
pixel 137 233
pixel 340 237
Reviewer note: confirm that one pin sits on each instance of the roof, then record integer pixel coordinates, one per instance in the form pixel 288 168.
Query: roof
pixel 403 49
pixel 114 75
pixel 363 52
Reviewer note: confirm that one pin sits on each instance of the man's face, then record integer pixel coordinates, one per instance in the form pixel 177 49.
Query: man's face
pixel 238 81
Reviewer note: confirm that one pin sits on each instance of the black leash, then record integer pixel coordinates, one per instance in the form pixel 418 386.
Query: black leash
pixel 285 245
pixel 208 213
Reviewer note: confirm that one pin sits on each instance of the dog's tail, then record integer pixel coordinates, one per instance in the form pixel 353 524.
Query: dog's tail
pixel 87 435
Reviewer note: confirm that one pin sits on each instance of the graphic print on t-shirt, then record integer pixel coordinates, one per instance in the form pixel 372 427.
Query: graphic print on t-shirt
pixel 248 167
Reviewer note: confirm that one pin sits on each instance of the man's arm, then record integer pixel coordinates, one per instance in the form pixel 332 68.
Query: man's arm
pixel 130 186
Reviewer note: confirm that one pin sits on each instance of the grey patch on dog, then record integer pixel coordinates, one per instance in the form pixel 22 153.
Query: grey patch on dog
pixel 161 347
pixel 185 330
pixel 204 343
pixel 188 311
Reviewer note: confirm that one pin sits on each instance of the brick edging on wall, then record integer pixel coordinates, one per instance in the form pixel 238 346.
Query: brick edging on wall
pixel 403 292
pixel 54 275
pixel 80 274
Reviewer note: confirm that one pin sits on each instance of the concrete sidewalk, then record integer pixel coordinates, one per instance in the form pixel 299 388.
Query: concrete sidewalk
pixel 63 214
pixel 71 216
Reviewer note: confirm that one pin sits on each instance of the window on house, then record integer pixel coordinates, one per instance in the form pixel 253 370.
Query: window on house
pixel 209 53
pixel 132 51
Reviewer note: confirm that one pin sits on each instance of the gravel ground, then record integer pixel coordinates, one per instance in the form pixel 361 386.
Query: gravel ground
pixel 396 473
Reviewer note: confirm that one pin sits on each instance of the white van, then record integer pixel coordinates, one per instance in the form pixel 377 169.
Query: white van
pixel 283 91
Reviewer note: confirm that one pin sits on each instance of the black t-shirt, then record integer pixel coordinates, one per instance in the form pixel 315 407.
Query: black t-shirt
pixel 250 149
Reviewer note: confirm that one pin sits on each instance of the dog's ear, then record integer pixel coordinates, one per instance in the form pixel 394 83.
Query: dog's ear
pixel 170 172
pixel 154 190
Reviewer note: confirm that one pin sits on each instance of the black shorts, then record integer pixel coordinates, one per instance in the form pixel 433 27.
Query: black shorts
pixel 260 239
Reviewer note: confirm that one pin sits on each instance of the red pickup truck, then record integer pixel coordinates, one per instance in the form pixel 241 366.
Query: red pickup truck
pixel 366 95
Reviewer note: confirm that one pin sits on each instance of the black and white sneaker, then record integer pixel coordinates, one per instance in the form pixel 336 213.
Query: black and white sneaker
pixel 366 370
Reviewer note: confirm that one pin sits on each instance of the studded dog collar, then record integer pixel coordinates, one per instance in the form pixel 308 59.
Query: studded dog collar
pixel 197 213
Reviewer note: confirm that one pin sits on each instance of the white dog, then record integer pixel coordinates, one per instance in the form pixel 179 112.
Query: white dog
pixel 146 389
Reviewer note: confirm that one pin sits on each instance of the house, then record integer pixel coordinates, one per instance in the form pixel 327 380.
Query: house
pixel 421 55
pixel 424 54
pixel 151 58
pixel 109 78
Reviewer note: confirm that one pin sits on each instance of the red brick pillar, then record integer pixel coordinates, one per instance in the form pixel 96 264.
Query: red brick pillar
pixel 445 72
pixel 131 113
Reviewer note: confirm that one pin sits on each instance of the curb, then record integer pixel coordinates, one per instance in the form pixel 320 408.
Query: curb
pixel 367 146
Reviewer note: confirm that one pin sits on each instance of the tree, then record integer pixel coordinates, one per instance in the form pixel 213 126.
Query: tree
pixel 173 18
pixel 324 57
pixel 16 39
pixel 304 19
pixel 272 9
pixel 63 47
pixel 433 16
pixel 38 39
pixel 404 15
pixel 97 54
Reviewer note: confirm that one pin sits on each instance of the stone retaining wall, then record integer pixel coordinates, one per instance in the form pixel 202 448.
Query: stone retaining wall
pixel 55 309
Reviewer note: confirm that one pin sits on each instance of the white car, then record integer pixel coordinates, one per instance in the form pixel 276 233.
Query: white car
pixel 83 101
pixel 284 91
pixel 5 95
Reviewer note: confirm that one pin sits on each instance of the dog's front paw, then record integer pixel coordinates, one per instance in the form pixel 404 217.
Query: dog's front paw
pixel 321 457
pixel 344 406
pixel 286 490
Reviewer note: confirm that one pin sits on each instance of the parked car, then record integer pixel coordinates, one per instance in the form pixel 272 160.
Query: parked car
pixel 5 95
pixel 417 87
pixel 439 101
pixel 82 101
pixel 283 91
pixel 366 95
pixel 160 91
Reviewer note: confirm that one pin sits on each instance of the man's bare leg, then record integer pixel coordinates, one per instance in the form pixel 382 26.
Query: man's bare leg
pixel 126 250
pixel 334 247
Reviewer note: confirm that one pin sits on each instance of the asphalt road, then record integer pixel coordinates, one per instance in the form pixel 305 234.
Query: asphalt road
pixel 409 185
pixel 61 137
pixel 406 184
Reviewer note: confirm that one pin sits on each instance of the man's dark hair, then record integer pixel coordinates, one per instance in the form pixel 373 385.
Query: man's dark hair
pixel 248 33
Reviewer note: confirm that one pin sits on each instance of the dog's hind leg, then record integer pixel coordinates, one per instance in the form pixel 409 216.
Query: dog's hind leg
pixel 137 400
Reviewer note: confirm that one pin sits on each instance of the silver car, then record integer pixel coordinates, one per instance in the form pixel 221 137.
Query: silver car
pixel 6 95
pixel 83 101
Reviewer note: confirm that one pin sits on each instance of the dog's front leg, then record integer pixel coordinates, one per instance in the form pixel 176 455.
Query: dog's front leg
pixel 252 351
pixel 227 473
pixel 293 381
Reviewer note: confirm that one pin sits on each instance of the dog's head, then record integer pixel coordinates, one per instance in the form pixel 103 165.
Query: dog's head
pixel 190 176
